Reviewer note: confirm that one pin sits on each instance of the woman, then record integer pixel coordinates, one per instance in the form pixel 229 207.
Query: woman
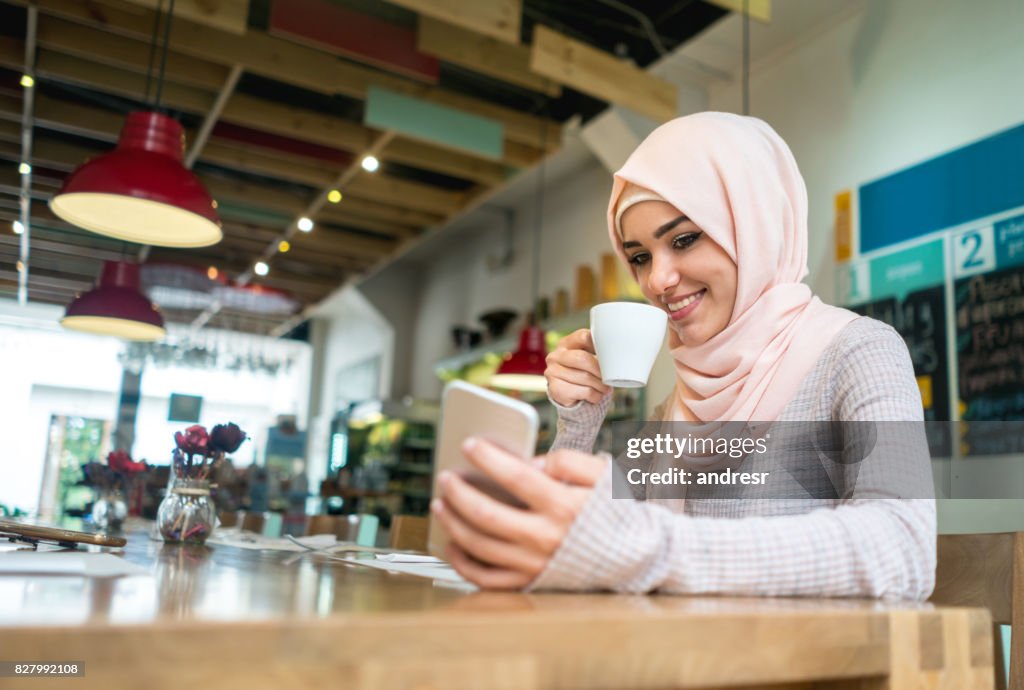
pixel 710 214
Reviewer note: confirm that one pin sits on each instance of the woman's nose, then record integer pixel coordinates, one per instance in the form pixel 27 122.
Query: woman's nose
pixel 663 276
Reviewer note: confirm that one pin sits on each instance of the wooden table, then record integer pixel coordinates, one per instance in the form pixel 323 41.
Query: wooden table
pixel 224 617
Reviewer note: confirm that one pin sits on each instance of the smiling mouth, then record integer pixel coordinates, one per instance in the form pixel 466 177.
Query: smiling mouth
pixel 686 301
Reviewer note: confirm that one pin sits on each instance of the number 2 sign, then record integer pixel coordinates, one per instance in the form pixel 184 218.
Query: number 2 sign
pixel 974 251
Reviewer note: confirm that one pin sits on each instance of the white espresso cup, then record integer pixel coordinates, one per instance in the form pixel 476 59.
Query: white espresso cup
pixel 627 338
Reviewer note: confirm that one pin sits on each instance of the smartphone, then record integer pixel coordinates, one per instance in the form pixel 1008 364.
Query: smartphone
pixel 468 410
pixel 64 537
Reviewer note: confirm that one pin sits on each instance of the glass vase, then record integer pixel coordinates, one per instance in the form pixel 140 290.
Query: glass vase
pixel 186 514
pixel 109 511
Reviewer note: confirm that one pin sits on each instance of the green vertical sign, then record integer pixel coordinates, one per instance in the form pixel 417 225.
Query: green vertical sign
pixel 896 274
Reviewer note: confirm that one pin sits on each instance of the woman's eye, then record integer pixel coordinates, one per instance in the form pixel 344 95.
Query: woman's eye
pixel 685 240
pixel 639 259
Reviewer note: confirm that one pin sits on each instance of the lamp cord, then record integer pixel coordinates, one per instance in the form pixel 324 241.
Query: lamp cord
pixel 152 46
pixel 163 58
pixel 539 221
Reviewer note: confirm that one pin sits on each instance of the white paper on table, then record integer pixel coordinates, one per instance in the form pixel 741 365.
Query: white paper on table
pixel 407 558
pixel 435 571
pixel 68 563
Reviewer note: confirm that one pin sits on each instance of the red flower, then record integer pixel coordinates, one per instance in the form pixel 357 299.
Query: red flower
pixel 226 438
pixel 120 461
pixel 193 441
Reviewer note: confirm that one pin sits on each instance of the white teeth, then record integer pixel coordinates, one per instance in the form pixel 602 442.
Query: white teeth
pixel 676 306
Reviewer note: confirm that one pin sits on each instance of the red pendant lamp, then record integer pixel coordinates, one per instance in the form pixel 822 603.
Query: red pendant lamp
pixel 141 191
pixel 523 370
pixel 116 307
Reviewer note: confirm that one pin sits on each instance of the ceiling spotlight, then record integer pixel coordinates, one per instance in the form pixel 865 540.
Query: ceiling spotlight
pixel 305 224
pixel 27 81
pixel 334 196
pixel 24 168
pixel 370 164
pixel 212 273
pixel 261 268
pixel 283 246
pixel 18 227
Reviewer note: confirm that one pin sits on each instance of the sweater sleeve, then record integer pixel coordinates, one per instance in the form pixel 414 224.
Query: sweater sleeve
pixel 870 545
pixel 578 425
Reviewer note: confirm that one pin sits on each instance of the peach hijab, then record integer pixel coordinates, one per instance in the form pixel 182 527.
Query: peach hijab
pixel 738 181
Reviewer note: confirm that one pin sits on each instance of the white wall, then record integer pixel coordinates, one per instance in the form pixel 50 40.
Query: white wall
pixel 355 332
pixel 897 83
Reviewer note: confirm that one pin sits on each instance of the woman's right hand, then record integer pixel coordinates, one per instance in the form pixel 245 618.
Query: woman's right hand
pixel 572 371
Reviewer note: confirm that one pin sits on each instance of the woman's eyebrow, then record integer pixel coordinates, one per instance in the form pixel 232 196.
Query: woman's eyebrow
pixel 668 226
pixel 660 231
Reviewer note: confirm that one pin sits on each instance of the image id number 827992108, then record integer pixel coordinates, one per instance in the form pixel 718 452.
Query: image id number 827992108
pixel 51 669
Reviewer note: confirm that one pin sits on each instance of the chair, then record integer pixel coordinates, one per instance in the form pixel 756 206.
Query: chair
pixel 409 532
pixel 987 570
pixel 228 518
pixel 253 522
pixel 323 524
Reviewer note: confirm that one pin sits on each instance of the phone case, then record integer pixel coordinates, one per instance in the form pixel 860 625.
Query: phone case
pixel 469 410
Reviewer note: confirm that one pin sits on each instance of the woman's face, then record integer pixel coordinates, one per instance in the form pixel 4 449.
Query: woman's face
pixel 680 269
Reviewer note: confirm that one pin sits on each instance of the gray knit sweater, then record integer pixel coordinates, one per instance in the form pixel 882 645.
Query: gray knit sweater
pixel 864 544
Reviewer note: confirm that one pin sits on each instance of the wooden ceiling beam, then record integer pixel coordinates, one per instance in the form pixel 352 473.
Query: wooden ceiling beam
pixel 500 19
pixel 418 154
pixel 49 279
pixel 354 206
pixel 78 267
pixel 291 63
pixel 260 196
pixel 406 194
pixel 115 80
pixel 95 44
pixel 601 74
pixel 226 15
pixel 296 282
pixel 256 113
pixel 329 130
pixel 483 54
pixel 64 248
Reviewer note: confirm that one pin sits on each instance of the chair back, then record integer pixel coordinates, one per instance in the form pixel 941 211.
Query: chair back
pixel 987 570
pixel 228 518
pixel 253 522
pixel 409 533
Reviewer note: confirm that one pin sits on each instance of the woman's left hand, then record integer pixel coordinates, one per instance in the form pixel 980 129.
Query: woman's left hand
pixel 496 545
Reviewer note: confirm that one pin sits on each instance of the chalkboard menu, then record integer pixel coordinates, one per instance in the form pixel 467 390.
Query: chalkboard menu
pixel 990 352
pixel 920 317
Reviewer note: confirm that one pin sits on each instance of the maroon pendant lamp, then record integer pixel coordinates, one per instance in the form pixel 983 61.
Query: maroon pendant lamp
pixel 141 191
pixel 523 370
pixel 116 307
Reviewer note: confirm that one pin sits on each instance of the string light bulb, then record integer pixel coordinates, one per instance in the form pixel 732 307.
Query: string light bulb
pixel 261 268
pixel 27 81
pixel 18 227
pixel 306 224
pixel 283 246
pixel 334 196
pixel 370 163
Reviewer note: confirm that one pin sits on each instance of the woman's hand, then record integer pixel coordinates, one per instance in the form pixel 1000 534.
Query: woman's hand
pixel 498 546
pixel 572 371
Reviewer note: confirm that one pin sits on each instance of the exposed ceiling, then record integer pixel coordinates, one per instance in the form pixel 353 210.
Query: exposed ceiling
pixel 287 124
